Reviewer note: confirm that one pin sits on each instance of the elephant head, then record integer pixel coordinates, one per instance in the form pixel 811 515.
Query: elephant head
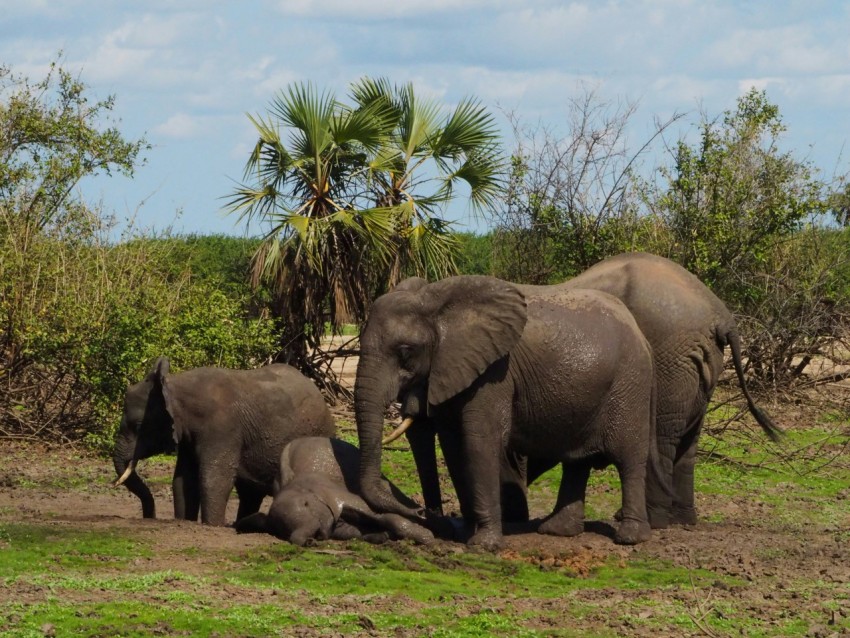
pixel 147 428
pixel 299 515
pixel 422 345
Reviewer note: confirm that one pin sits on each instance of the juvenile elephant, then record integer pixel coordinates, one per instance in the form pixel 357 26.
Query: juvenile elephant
pixel 228 428
pixel 565 376
pixel 688 328
pixel 315 498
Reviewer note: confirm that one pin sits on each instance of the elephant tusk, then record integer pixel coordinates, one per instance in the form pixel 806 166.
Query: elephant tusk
pixel 392 436
pixel 130 469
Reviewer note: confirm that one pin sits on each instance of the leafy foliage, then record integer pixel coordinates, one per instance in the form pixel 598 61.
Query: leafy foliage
pixel 732 196
pixel 50 140
pixel 83 316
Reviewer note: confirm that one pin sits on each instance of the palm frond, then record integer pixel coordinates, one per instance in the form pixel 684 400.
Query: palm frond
pixel 469 129
pixel 484 173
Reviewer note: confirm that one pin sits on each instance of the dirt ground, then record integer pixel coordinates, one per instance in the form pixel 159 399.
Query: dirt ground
pixel 768 558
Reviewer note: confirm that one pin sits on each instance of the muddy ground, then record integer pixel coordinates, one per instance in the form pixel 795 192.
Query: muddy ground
pixel 69 487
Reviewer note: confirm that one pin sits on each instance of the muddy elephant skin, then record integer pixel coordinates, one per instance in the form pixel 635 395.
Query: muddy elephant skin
pixel 688 327
pixel 557 375
pixel 228 428
pixel 316 499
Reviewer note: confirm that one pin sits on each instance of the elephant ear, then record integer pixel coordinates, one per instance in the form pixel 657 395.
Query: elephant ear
pixel 159 376
pixel 479 321
pixel 160 370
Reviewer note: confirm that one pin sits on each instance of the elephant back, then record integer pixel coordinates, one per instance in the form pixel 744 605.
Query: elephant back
pixel 334 458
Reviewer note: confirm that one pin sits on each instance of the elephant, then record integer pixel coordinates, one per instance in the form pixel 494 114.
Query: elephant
pixel 315 499
pixel 227 427
pixel 557 375
pixel 688 327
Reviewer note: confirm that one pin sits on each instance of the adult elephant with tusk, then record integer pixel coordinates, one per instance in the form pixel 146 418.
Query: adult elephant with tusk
pixel 228 428
pixel 557 375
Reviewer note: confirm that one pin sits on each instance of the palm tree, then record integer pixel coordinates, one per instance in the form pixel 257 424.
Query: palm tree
pixel 417 168
pixel 315 249
pixel 338 189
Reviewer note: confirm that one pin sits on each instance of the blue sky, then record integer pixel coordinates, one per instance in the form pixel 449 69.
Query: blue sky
pixel 186 73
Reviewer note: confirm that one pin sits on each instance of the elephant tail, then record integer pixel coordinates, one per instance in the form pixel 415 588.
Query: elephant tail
pixel 773 431
pixel 661 478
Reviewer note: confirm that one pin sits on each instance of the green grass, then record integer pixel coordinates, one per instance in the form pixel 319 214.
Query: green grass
pixel 800 481
pixel 93 588
pixel 34 549
pixel 123 581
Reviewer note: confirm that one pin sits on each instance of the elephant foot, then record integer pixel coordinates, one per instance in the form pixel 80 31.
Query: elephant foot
pixel 632 532
pixel 487 539
pixel 683 515
pixel 557 525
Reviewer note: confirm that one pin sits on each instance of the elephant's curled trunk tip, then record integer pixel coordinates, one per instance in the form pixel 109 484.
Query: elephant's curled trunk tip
pixel 131 467
pixel 401 429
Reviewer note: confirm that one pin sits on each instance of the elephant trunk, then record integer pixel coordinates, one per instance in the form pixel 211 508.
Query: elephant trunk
pixel 124 460
pixel 371 396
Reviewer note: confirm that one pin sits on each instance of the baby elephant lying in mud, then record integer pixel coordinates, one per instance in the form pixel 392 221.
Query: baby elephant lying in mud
pixel 315 499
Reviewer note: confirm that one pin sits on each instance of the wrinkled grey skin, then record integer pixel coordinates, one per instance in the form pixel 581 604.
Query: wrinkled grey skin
pixel 558 375
pixel 688 328
pixel 315 499
pixel 228 428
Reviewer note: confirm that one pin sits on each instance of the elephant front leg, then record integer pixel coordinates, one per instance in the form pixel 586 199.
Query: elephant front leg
pixel 482 452
pixel 514 481
pixel 185 486
pixel 568 517
pixel 422 439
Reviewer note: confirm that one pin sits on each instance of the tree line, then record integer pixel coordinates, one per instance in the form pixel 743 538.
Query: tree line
pixel 349 195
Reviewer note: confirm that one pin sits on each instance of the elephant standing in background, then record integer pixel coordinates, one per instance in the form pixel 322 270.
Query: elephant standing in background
pixel 564 376
pixel 688 328
pixel 228 428
pixel 315 498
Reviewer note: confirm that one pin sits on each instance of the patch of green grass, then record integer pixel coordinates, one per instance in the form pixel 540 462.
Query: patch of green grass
pixel 797 484
pixel 424 590
pixel 427 577
pixel 36 549
pixel 131 619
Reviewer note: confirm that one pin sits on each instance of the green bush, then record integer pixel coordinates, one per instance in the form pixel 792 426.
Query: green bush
pixel 85 317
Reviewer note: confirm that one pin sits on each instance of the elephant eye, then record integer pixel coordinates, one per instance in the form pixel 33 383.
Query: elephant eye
pixel 405 352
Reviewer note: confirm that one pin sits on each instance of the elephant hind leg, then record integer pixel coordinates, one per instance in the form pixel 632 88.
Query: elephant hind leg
pixel 634 526
pixel 684 511
pixel 217 480
pixel 568 517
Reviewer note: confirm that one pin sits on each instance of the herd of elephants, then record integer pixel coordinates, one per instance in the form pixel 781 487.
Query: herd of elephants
pixel 615 366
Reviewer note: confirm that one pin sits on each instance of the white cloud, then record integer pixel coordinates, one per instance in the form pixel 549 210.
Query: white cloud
pixel 383 9
pixel 181 126
pixel 785 50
